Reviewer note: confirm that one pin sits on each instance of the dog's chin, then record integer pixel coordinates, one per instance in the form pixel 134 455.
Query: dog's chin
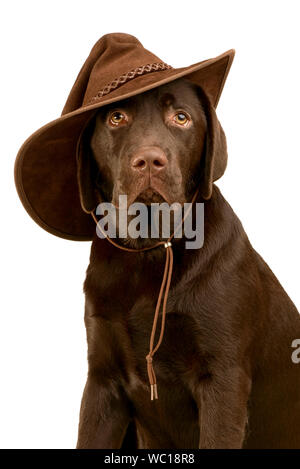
pixel 147 198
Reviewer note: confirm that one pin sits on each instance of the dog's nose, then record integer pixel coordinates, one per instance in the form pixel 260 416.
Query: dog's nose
pixel 152 159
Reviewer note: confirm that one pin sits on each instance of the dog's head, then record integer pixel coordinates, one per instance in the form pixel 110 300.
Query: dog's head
pixel 157 146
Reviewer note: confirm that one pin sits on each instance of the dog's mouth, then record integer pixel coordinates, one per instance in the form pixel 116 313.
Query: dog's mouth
pixel 154 192
pixel 151 192
pixel 152 221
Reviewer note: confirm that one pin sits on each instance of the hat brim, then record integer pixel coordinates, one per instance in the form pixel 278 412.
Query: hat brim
pixel 46 164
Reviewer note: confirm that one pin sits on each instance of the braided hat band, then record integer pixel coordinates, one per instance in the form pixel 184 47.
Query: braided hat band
pixel 139 71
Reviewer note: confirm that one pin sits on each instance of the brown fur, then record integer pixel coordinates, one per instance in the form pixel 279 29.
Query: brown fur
pixel 224 369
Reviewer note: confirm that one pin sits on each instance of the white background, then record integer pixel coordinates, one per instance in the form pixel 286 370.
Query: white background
pixel 43 45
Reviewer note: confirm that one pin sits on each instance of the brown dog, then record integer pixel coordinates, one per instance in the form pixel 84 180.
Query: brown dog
pixel 225 373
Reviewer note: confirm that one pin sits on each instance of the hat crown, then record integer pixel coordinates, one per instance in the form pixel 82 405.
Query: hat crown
pixel 116 55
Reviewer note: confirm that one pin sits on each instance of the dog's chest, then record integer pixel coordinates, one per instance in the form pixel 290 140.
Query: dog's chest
pixel 179 359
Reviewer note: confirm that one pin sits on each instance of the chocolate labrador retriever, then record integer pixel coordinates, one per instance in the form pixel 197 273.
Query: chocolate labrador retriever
pixel 225 372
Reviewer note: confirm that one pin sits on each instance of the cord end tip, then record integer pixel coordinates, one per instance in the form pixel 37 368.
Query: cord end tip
pixel 154 394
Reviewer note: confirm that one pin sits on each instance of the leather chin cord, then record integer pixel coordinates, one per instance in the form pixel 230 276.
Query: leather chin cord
pixel 163 293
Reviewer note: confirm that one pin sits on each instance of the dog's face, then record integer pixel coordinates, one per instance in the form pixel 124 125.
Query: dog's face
pixel 149 146
pixel 158 146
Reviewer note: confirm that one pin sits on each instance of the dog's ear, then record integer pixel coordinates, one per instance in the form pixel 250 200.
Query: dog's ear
pixel 87 171
pixel 214 159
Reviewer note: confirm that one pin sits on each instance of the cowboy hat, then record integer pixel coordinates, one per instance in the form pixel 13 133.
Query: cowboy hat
pixel 118 67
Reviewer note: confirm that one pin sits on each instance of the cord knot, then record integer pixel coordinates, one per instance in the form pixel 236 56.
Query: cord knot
pixel 152 377
pixel 149 358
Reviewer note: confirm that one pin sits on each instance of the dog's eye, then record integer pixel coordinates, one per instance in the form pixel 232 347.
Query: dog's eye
pixel 181 118
pixel 116 118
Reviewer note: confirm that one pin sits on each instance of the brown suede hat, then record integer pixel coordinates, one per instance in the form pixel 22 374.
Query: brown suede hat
pixel 118 67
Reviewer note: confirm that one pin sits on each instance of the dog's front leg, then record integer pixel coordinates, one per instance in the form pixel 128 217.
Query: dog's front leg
pixel 104 415
pixel 223 409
